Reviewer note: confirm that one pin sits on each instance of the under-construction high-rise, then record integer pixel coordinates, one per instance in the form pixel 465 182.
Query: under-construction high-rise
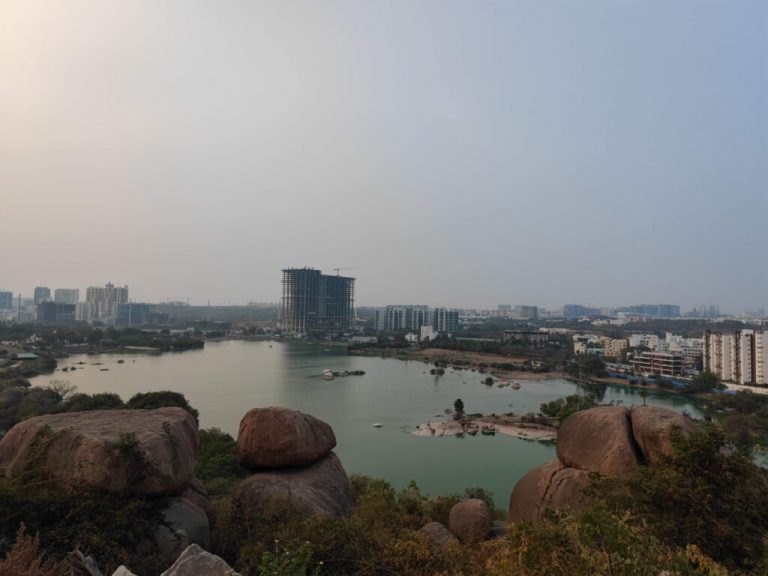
pixel 316 302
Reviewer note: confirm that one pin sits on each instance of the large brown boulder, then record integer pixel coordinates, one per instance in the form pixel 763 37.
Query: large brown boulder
pixel 470 520
pixel 652 428
pixel 548 486
pixel 437 535
pixel 320 489
pixel 278 437
pixel 599 440
pixel 122 451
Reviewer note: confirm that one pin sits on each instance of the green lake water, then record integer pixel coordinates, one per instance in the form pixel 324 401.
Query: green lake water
pixel 226 379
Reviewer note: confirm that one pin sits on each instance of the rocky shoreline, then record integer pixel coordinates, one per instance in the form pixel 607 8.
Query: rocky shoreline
pixel 522 427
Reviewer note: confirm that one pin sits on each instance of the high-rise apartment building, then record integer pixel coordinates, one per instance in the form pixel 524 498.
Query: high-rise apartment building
pixel 104 301
pixel 397 318
pixel 738 357
pixel 445 320
pixel 42 294
pixel 6 300
pixel 316 302
pixel 66 295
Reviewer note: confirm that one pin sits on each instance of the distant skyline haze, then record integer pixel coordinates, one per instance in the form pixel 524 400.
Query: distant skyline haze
pixel 452 153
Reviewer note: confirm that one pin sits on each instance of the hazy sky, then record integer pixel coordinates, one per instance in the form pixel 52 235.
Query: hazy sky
pixel 460 153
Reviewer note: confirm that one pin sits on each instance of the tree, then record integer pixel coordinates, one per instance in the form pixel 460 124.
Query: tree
pixel 458 407
pixel 706 382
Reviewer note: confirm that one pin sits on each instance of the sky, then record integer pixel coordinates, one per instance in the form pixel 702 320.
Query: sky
pixel 452 153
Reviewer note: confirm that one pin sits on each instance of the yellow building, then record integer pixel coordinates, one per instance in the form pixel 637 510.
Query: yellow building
pixel 613 347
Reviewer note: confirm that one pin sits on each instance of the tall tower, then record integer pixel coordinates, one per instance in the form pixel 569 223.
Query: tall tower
pixel 315 302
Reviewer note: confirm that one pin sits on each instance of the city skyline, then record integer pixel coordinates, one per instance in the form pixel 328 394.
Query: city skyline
pixel 557 152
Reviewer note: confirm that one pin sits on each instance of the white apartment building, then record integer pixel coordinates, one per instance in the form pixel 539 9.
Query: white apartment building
pixel 738 357
pixel 650 341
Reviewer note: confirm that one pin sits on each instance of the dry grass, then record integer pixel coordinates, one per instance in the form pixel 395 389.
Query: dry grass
pixel 24 558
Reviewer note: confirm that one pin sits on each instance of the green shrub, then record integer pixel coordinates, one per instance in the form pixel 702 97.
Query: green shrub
pixel 151 400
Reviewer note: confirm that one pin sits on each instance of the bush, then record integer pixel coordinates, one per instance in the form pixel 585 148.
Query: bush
pixel 218 467
pixel 151 400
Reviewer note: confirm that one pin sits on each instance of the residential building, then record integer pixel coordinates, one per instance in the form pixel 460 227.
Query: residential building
pixel 6 300
pixel 445 320
pixel 397 318
pixel 738 357
pixel 314 302
pixel 663 363
pixel 650 341
pixel 105 300
pixel 66 295
pixel 41 294
pixel 580 347
pixel 613 347
pixel 533 338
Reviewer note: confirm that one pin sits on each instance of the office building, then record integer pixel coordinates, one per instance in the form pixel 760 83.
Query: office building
pixel 41 294
pixel 132 314
pixel 104 301
pixel 315 302
pixel 655 310
pixel 55 313
pixel 66 295
pixel 526 312
pixel 579 311
pixel 660 363
pixel 6 300
pixel 738 357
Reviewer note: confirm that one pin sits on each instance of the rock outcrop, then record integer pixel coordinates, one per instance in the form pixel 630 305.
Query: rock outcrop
pixel 184 523
pixel 607 440
pixel 437 535
pixel 279 438
pixel 600 440
pixel 652 428
pixel 148 452
pixel 290 455
pixel 470 520
pixel 320 489
pixel 548 486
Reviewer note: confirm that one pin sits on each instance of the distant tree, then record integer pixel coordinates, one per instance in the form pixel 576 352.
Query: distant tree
pixel 458 406
pixel 706 382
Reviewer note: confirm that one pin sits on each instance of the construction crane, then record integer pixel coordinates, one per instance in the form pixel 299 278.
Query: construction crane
pixel 339 269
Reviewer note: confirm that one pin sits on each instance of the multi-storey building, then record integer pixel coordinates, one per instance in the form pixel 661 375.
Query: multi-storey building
pixel 655 310
pixel 6 300
pixel 533 338
pixel 397 318
pixel 663 363
pixel 55 313
pixel 104 301
pixel 445 320
pixel 738 357
pixel 579 311
pixel 613 347
pixel 42 293
pixel 526 312
pixel 66 295
pixel 315 302
pixel 132 314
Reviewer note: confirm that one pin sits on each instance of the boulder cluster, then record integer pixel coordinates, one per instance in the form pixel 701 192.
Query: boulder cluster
pixel 152 453
pixel 290 456
pixel 610 441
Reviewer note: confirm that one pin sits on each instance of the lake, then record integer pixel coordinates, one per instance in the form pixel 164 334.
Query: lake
pixel 226 379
